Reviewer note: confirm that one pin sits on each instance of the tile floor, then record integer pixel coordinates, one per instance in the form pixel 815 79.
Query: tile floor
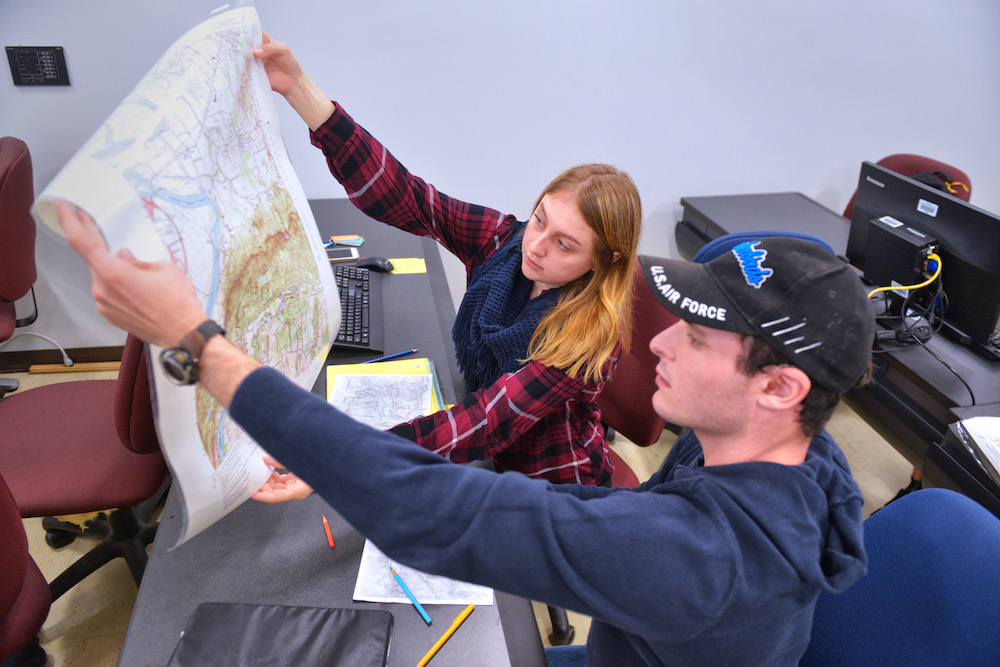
pixel 86 626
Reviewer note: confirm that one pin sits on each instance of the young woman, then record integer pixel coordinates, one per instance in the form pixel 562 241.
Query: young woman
pixel 541 325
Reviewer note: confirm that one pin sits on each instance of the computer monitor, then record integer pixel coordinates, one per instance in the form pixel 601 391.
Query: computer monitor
pixel 969 240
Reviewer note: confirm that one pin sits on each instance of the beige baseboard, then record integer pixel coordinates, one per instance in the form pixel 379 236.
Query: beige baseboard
pixel 22 361
pixel 82 367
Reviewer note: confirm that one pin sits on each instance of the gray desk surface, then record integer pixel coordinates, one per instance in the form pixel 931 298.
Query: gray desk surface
pixel 705 218
pixel 277 554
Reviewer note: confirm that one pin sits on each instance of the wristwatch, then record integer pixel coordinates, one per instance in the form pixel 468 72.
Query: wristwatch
pixel 181 363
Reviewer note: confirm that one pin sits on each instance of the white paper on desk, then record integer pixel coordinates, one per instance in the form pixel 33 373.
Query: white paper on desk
pixel 376 583
pixel 191 167
pixel 382 401
pixel 982 439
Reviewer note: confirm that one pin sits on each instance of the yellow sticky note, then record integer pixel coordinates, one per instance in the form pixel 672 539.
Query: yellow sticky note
pixel 408 265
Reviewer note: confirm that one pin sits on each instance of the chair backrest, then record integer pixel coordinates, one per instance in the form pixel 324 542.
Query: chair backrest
pixel 727 242
pixel 17 229
pixel 930 595
pixel 133 400
pixel 24 595
pixel 626 400
pixel 908 164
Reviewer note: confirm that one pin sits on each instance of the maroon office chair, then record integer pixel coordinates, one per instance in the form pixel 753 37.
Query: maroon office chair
pixel 623 474
pixel 24 595
pixel 627 407
pixel 908 164
pixel 17 240
pixel 85 446
pixel 626 400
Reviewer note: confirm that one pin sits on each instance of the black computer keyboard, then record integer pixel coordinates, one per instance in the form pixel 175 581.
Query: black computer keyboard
pixel 361 309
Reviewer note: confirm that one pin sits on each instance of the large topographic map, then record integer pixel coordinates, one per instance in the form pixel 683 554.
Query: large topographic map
pixel 191 167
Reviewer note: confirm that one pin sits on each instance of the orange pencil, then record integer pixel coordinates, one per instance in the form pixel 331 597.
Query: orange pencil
pixel 329 535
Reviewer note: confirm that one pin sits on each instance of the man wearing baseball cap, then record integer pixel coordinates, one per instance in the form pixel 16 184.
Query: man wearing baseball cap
pixel 717 559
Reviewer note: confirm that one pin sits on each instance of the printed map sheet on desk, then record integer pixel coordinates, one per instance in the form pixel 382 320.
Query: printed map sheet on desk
pixel 382 401
pixel 382 395
pixel 376 583
pixel 191 168
pixel 420 366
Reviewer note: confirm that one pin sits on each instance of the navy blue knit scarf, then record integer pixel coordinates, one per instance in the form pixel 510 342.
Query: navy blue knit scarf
pixel 497 317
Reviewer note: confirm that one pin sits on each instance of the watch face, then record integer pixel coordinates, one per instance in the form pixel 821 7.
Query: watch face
pixel 179 366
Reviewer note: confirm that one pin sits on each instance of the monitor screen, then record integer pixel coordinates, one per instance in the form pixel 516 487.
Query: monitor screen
pixel 969 240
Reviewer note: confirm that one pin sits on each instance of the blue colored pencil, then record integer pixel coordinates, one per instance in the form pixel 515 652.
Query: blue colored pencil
pixel 427 619
pixel 391 356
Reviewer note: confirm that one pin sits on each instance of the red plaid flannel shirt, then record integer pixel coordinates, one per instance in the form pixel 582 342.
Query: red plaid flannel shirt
pixel 537 420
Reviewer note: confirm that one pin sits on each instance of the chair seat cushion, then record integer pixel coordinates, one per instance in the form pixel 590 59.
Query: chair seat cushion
pixel 68 431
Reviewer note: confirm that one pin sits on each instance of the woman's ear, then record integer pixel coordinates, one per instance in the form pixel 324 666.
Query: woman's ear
pixel 786 387
pixel 598 259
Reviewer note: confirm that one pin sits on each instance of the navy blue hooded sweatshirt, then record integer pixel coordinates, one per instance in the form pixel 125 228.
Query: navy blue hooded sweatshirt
pixel 700 565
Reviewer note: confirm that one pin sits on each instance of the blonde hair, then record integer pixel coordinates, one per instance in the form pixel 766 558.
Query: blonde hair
pixel 594 312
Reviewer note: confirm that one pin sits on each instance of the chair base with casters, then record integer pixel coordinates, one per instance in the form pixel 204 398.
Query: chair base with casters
pixel 123 533
pixel 562 632
pixel 59 533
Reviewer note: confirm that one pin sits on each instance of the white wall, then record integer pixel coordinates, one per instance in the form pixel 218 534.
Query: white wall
pixel 489 100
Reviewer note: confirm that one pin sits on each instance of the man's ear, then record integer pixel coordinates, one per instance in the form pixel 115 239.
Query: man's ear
pixel 785 388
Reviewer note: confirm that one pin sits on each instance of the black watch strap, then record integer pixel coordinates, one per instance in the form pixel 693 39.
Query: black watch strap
pixel 195 341
pixel 180 363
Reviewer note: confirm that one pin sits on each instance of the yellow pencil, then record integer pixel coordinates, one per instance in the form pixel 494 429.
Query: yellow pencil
pixel 448 633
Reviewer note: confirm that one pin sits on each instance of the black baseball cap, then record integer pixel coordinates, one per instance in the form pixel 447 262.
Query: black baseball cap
pixel 807 303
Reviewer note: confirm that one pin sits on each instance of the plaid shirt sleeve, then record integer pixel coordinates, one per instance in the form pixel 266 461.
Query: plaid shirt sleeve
pixel 537 421
pixel 383 189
